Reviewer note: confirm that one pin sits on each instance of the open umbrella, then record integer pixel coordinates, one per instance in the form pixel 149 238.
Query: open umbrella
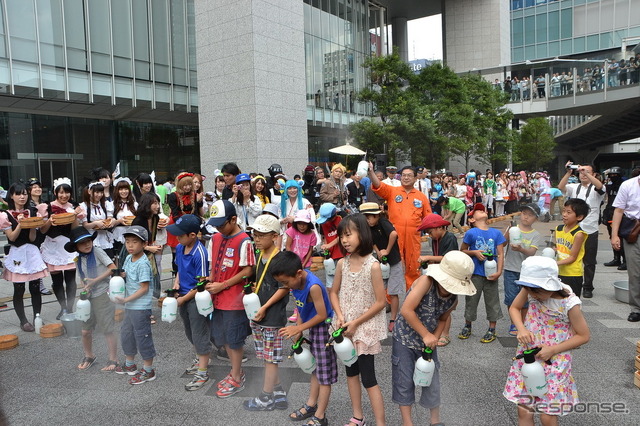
pixel 347 150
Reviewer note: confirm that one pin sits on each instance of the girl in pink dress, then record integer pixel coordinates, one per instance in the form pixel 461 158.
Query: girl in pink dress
pixel 23 263
pixel 300 237
pixel 358 299
pixel 554 323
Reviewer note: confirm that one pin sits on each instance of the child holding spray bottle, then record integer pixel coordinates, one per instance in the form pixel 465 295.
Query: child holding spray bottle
pixel 422 319
pixel 554 323
pixel 314 309
pixel 358 299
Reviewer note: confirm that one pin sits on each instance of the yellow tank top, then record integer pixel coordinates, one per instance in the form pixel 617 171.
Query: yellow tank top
pixel 564 244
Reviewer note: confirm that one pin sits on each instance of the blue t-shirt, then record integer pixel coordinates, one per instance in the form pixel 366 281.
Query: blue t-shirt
pixel 486 241
pixel 307 310
pixel 192 265
pixel 138 272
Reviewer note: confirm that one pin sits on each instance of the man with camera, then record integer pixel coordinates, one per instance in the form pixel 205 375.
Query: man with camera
pixel 591 190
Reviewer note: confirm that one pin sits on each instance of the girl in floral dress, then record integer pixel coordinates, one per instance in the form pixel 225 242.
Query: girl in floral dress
pixel 553 322
pixel 358 299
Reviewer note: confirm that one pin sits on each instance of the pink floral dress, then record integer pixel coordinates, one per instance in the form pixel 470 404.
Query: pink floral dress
pixel 549 323
pixel 356 297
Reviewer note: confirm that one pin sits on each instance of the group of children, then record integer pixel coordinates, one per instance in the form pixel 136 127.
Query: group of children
pixel 354 300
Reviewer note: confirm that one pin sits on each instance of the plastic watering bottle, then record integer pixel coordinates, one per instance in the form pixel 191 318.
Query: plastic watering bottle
pixel 385 267
pixel 203 300
pixel 423 268
pixel 344 347
pixel 548 251
pixel 425 367
pixel 329 264
pixel 532 371
pixel 170 306
pixel 303 357
pixel 116 287
pixel 490 265
pixel 515 236
pixel 37 323
pixel 83 307
pixel 363 168
pixel 251 302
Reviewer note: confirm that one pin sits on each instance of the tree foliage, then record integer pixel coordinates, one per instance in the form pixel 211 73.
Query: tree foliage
pixel 432 115
pixel 534 149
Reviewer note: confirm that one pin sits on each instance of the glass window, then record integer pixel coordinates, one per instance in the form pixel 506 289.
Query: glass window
pixel 566 47
pixel 178 39
pixel 554 25
pixel 529 29
pixel 578 44
pixel 517 55
pixel 517 34
pixel 606 15
pixel 621 19
pixel 50 31
pixel 593 42
pixel 541 50
pixel 606 40
pixel 74 29
pixel 554 48
pixel 160 16
pixel 122 58
pixel 22 28
pixel 99 31
pixel 566 20
pixel 541 27
pixel 141 39
pixel 579 21
pixel 530 52
pixel 593 18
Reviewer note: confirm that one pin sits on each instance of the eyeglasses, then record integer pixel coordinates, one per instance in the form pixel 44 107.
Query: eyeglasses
pixel 259 236
pixel 407 175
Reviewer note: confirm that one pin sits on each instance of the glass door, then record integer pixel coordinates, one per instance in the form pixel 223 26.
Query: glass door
pixel 51 170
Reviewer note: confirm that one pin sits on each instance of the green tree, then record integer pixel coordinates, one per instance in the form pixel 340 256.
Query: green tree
pixel 535 147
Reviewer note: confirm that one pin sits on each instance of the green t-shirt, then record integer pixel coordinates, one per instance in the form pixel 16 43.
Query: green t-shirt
pixel 161 190
pixel 455 205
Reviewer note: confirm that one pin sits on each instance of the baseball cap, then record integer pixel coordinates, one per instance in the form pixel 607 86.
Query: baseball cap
pixel 221 211
pixel 533 207
pixel 243 177
pixel 540 272
pixel 431 221
pixel 419 169
pixel 326 212
pixel 137 231
pixel 266 223
pixel 370 208
pixel 392 168
pixel 302 216
pixel 185 224
pixel 477 207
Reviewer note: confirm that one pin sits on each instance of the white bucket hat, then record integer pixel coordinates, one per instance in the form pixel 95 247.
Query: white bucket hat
pixel 540 272
pixel 266 223
pixel 454 273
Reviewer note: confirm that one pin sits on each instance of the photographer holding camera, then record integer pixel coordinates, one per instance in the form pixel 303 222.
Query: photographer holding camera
pixel 591 190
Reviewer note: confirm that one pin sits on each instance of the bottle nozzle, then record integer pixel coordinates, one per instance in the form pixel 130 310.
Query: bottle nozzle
pixel 248 288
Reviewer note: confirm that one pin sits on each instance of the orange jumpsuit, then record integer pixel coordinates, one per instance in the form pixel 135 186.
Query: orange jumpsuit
pixel 406 210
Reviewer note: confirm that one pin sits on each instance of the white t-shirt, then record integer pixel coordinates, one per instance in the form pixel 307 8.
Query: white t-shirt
pixel 593 197
pixel 628 198
pixel 392 182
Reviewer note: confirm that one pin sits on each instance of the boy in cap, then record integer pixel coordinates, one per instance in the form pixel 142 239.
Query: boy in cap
pixel 442 242
pixel 232 261
pixel 480 242
pixel 517 253
pixel 385 243
pixel 191 258
pixel 329 219
pixel 135 333
pixel 271 317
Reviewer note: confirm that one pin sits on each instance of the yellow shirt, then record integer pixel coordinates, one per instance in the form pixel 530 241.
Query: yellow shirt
pixel 564 244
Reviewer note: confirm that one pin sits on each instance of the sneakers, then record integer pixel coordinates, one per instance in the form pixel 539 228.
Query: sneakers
pixel 259 404
pixel 194 367
pixel 489 336
pixel 143 376
pixel 198 380
pixel 513 331
pixel 294 316
pixel 222 355
pixel 222 382
pixel 280 398
pixel 465 333
pixel 123 369
pixel 230 387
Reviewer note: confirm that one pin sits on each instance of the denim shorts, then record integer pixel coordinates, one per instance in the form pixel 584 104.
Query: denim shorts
pixel 230 328
pixel 135 333
pixel 403 360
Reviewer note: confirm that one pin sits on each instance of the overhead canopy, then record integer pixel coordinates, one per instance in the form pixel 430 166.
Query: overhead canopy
pixel 347 150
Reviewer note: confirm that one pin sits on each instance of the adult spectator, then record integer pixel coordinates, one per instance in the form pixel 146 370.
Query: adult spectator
pixel 308 190
pixel 229 173
pixel 611 188
pixel 356 192
pixel 333 189
pixel 627 212
pixel 591 190
pixel 391 176
pixel 422 183
pixel 407 207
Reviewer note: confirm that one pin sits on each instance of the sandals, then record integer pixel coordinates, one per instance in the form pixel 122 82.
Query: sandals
pixel 86 363
pixel 444 340
pixel 356 422
pixel 314 421
pixel 111 366
pixel 299 415
pixel 152 319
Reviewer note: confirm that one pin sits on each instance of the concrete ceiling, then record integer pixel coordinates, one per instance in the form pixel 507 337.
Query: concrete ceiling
pixel 412 9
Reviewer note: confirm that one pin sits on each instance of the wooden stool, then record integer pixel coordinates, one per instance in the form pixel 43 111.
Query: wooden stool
pixel 51 330
pixel 8 341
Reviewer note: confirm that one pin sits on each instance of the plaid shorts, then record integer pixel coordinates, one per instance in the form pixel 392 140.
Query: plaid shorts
pixel 326 364
pixel 268 342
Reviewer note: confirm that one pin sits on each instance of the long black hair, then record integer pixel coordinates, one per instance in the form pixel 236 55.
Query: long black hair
pixel 141 179
pixel 144 205
pixel 17 188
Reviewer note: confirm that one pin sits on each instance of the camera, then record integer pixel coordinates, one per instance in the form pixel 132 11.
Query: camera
pixel 574 166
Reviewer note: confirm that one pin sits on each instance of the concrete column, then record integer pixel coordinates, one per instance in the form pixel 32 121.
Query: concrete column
pixel 251 84
pixel 400 37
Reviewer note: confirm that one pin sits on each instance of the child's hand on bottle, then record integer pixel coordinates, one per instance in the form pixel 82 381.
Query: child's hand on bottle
pixel 525 337
pixel 350 328
pixel 260 315
pixel 546 352
pixel 494 277
pixel 291 332
pixel 430 341
pixel 479 255
pixel 338 322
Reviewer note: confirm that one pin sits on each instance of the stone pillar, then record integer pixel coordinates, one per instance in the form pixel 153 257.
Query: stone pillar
pixel 251 84
pixel 400 37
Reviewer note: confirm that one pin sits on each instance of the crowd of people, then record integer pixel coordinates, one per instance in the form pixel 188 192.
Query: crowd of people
pixel 260 231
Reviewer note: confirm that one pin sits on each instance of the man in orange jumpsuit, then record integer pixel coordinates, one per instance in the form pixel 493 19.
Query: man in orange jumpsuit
pixel 407 206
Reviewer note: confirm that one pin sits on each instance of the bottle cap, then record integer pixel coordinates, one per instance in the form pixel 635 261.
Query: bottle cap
pixel 384 259
pixel 247 288
pixel 200 286
pixel 84 295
